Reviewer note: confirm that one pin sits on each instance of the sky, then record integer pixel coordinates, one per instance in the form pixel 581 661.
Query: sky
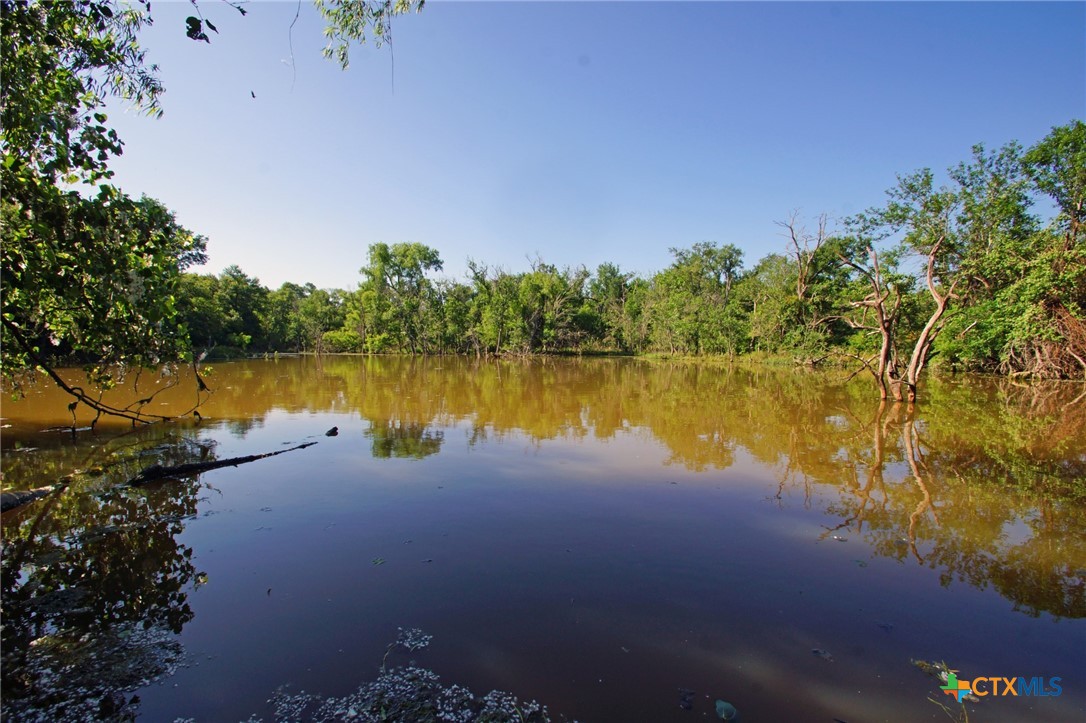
pixel 578 133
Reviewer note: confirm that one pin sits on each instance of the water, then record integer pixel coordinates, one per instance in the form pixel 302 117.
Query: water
pixel 598 535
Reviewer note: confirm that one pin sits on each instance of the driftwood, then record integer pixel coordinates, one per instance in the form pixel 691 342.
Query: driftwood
pixel 157 471
pixel 18 498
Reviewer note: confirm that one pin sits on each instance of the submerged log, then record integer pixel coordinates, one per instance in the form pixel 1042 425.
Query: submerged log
pixel 18 498
pixel 157 471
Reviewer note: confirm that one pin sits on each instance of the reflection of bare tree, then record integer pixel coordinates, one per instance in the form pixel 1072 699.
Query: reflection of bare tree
pixel 915 458
pixel 871 493
pixel 951 512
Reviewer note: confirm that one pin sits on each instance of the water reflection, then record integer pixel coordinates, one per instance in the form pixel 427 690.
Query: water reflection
pixel 981 483
pixel 1025 536
pixel 95 585
pixel 393 438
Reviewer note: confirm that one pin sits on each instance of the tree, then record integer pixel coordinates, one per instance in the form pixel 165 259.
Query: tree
pixel 494 309
pixel 319 312
pixel 1057 165
pixel 550 303
pixel 396 296
pixel 609 291
pixel 355 20
pixel 245 302
pixel 89 273
pixel 691 307
pixel 280 323
pixel 1057 280
pixel 1000 283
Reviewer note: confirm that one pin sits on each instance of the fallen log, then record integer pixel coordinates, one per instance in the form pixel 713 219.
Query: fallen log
pixel 18 498
pixel 157 471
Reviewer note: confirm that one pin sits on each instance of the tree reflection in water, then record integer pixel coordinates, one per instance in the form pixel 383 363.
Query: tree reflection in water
pixel 392 438
pixel 1022 534
pixel 95 587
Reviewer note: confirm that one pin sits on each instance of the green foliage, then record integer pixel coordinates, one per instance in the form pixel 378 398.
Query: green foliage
pixel 396 298
pixel 91 273
pixel 992 289
pixel 339 341
pixel 357 20
pixel 691 308
pixel 1057 166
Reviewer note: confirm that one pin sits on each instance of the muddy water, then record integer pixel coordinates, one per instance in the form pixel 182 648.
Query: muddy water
pixel 596 534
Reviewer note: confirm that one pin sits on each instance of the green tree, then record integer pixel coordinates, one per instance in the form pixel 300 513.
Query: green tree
pixel 397 299
pixel 319 312
pixel 281 326
pixel 199 306
pixel 691 306
pixel 352 21
pixel 551 305
pixel 608 292
pixel 1055 283
pixel 992 277
pixel 245 302
pixel 88 271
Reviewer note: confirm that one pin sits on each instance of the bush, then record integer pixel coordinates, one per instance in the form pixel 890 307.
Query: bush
pixel 342 340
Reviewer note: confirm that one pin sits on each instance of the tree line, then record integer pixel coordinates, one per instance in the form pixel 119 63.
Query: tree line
pixel 966 272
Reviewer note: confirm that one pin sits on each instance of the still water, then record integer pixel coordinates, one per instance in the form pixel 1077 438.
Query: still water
pixel 618 540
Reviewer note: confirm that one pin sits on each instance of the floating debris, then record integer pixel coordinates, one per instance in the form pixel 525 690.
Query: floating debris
pixel 887 627
pixel 824 654
pixel 941 672
pixel 860 563
pixel 413 639
pixel 408 694
pixel 686 698
pixel 726 711
pixel 839 538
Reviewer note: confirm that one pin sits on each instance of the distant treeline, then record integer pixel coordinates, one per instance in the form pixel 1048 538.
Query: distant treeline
pixel 965 273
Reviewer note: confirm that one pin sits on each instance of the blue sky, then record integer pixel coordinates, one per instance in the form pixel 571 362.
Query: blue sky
pixel 578 132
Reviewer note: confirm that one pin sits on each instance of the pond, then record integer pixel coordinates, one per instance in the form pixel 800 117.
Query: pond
pixel 619 540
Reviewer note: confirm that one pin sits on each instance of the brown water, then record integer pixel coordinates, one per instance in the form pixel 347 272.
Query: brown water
pixel 594 534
